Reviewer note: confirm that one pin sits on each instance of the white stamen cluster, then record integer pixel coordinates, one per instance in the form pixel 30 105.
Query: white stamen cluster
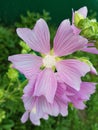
pixel 49 61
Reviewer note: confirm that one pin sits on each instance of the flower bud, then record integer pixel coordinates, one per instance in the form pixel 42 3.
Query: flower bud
pixel 77 18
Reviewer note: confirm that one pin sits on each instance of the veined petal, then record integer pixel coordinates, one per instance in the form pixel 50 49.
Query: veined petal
pixel 88 88
pixel 63 30
pixel 29 101
pixel 42 32
pixel 90 50
pixel 39 38
pixel 78 103
pixel 46 84
pixel 65 42
pixel 34 119
pixel 71 71
pixel 62 99
pixel 76 30
pixel 62 93
pixel 63 108
pixel 39 107
pixel 57 107
pixel 26 63
pixel 60 35
pixel 29 88
pixel 51 109
pixel 25 117
pixel 83 11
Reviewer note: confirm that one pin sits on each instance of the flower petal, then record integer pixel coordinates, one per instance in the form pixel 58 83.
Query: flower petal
pixel 28 100
pixel 65 42
pixel 26 63
pixel 90 50
pixel 29 88
pixel 42 32
pixel 34 119
pixel 25 117
pixel 57 107
pixel 39 107
pixel 63 108
pixel 87 88
pixel 42 109
pixel 83 11
pixel 70 71
pixel 37 111
pixel 76 31
pixel 46 84
pixel 39 38
pixel 51 109
pixel 79 104
pixel 93 70
pixel 62 99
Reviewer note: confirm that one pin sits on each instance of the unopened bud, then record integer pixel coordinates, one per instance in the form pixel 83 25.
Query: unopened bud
pixel 77 18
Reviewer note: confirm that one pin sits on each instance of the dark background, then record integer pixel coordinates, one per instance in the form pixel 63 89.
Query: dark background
pixel 10 10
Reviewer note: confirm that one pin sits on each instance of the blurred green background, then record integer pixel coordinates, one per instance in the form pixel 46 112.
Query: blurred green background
pixel 10 10
pixel 12 82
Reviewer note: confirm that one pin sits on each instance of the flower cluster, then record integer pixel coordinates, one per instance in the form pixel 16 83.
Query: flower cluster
pixel 53 81
pixel 88 28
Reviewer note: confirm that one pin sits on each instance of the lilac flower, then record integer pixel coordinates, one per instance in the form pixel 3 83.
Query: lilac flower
pixel 78 97
pixel 89 47
pixel 65 42
pixel 38 107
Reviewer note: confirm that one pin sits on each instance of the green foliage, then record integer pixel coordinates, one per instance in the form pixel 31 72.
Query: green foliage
pixel 8 46
pixel 89 28
pixel 11 106
pixel 12 84
pixel 30 19
pixel 25 47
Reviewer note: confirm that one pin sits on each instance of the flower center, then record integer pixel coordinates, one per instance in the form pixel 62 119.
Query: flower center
pixel 49 61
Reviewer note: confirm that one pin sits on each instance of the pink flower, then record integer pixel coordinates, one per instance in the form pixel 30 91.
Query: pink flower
pixel 65 42
pixel 78 97
pixel 89 47
pixel 38 107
